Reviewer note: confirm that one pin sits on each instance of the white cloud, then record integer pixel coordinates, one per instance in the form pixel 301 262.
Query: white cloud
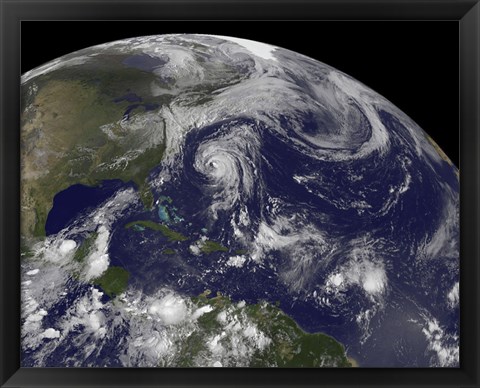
pixel 37 316
pixel 67 246
pixel 236 261
pixel 98 259
pixel 363 319
pixel 195 249
pixel 50 333
pixel 200 311
pixel 453 296
pixel 444 346
pixel 85 312
pixel 336 279
pixel 364 269
pixel 38 296
pixel 445 241
pixel 289 233
pixel 171 309
pixel 53 65
pixel 236 341
pixel 259 49
pixel 374 280
pixel 222 316
pixel 33 272
pixel 157 324
pixel 57 249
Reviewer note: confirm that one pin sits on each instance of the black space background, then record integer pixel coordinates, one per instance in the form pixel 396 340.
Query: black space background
pixel 414 64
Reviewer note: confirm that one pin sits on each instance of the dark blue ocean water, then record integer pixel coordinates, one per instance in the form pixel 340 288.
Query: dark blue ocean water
pixel 400 231
pixel 70 203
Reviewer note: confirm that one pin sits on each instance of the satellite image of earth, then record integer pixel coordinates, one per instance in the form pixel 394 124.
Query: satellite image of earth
pixel 198 200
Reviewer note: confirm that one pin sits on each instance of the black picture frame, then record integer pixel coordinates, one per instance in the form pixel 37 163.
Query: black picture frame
pixel 467 13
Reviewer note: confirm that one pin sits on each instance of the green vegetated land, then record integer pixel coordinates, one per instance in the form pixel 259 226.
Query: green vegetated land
pixel 84 249
pixel 62 122
pixel 206 247
pixel 290 346
pixel 170 234
pixel 240 252
pixel 210 246
pixel 114 281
